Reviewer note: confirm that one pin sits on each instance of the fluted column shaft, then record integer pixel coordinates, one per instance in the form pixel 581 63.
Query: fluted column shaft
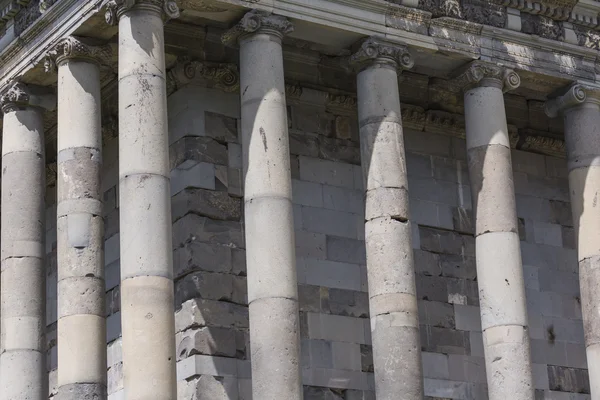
pixel 269 223
pixel 147 305
pixel 580 107
pixel 497 245
pixel 390 264
pixel 23 288
pixel 80 227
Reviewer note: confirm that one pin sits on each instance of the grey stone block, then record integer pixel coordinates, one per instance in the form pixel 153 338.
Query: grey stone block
pixel 348 303
pixel 427 213
pixel 311 245
pixel 458 266
pixel 207 387
pixel 199 175
pixel 417 142
pixel 326 172
pixel 339 150
pixel 195 228
pixel 343 199
pixel 427 263
pixel 432 288
pixel 321 393
pixel 208 203
pixel 113 327
pixel 419 165
pixel 330 222
pixel 358 177
pixel 206 285
pixel 462 291
pixel 112 248
pixel 451 170
pixel 329 274
pixel 302 144
pixel 549 234
pixel 462 220
pixel 359 395
pixel 310 298
pixel 435 365
pixel 558 281
pixel 466 368
pixel 312 119
pixel 346 250
pixel 213 341
pixel 317 353
pixel 440 241
pixel 444 340
pixel 197 313
pixel 337 379
pixel 197 256
pixel 568 237
pixel 111 223
pixel 561 212
pixel 443 389
pixel 307 193
pixel 337 328
pixel 427 189
pixel 346 356
pixel 572 380
pixel 197 149
pixel 540 376
pixel 220 127
pixel 529 163
pixel 564 330
pixel 234 156
pixel 366 358
pixel 476 342
pixel 438 314
pixel 468 318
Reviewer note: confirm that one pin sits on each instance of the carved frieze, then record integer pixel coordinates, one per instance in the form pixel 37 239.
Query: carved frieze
pixel 484 12
pixel 542 26
pixel 536 142
pixel 220 75
pixel 413 117
pixel 445 123
pixel 29 12
pixel 587 37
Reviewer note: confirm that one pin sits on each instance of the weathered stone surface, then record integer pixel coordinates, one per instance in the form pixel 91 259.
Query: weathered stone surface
pixel 197 313
pixel 197 256
pixel 220 127
pixel 439 241
pixel 208 203
pixel 206 387
pixel 208 340
pixel 563 379
pixel 197 149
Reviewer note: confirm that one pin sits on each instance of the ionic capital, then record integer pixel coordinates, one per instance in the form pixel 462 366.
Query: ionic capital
pixel 481 74
pixel 257 21
pixel 375 51
pixel 571 96
pixel 168 9
pixel 221 75
pixel 74 48
pixel 17 96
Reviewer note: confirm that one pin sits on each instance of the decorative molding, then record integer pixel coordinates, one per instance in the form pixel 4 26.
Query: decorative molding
pixel 413 117
pixel 375 50
pixel 445 123
pixel 115 8
pixel 200 5
pixel 255 21
pixel 73 47
pixel 293 90
pixel 480 73
pixel 535 142
pixel 18 95
pixel 220 75
pixel 571 96
pixel 15 97
pixel 542 26
pixel 459 25
pixel 588 38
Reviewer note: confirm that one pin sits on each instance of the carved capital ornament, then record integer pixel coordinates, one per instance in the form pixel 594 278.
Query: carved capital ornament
pixel 76 48
pixel 116 8
pixel 481 73
pixel 15 97
pixel 258 21
pixel 572 96
pixel 373 50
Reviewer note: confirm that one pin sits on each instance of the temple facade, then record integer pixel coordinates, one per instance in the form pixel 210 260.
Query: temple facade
pixel 300 199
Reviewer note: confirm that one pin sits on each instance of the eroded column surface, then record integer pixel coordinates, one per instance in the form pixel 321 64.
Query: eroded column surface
pixel 390 264
pixel 497 246
pixel 23 288
pixel 147 310
pixel 80 228
pixel 580 108
pixel 269 224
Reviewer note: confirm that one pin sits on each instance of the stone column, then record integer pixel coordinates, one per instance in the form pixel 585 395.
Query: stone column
pixel 390 265
pixel 147 305
pixel 497 245
pixel 23 288
pixel 580 107
pixel 269 223
pixel 80 228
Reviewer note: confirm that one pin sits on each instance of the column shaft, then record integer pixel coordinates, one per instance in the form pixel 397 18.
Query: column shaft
pixel 498 254
pixel 582 129
pixel 23 287
pixel 269 223
pixel 390 266
pixel 147 311
pixel 80 234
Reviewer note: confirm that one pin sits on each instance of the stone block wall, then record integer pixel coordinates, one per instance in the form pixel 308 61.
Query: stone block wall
pixel 212 343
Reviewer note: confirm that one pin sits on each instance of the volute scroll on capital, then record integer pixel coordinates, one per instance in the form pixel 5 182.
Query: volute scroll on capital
pixel 374 50
pixel 75 48
pixel 258 21
pixel 571 96
pixel 116 8
pixel 17 96
pixel 481 73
